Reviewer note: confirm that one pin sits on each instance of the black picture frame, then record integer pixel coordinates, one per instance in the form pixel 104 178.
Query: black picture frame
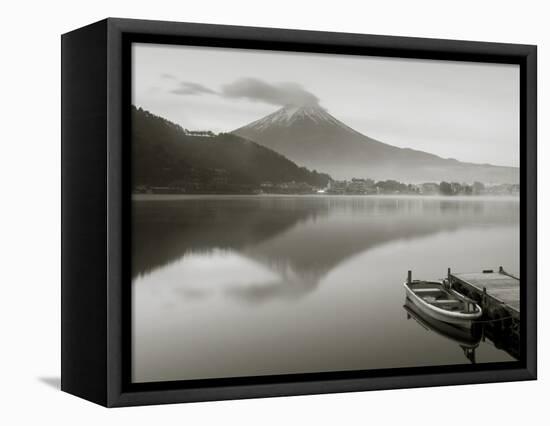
pixel 96 232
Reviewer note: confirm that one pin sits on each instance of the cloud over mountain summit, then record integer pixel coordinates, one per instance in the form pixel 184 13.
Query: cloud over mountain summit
pixel 255 90
pixel 279 94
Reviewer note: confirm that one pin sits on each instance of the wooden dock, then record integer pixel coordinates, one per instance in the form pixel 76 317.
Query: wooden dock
pixel 498 294
pixel 496 287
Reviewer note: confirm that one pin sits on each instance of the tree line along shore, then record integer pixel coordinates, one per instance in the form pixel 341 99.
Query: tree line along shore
pixel 355 186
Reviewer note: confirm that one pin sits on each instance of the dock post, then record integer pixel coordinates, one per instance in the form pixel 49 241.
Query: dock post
pixel 501 269
pixel 409 277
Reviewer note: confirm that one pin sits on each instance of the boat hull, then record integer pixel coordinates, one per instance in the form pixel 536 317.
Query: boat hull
pixel 464 337
pixel 464 320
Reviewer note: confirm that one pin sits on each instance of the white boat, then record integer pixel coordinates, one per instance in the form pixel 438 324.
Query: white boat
pixel 442 303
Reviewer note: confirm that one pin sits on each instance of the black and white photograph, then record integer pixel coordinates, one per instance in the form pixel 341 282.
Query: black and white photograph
pixel 285 213
pixel 298 212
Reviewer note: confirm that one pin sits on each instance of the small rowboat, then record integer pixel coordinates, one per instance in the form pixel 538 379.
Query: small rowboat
pixel 442 303
pixel 465 338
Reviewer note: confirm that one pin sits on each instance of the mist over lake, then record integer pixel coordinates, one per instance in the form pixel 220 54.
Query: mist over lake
pixel 227 286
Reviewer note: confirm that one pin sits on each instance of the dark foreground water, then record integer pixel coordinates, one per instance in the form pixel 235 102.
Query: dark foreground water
pixel 251 285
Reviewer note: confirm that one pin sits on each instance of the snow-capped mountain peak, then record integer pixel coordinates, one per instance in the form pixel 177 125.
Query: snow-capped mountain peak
pixel 293 114
pixel 310 136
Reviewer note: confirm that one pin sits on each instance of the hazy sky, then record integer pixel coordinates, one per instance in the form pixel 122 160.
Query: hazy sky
pixel 462 110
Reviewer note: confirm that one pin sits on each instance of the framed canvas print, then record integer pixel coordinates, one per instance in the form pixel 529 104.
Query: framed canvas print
pixel 251 212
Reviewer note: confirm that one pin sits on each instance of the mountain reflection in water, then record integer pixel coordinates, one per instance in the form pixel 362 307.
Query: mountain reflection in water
pixel 294 284
pixel 299 238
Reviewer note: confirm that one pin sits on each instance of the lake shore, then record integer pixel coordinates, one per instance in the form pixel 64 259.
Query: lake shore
pixel 160 197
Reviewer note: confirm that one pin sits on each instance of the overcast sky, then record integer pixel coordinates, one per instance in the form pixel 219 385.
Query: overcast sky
pixel 467 111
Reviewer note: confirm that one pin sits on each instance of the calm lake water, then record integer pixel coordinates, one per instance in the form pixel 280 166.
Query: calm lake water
pixel 227 286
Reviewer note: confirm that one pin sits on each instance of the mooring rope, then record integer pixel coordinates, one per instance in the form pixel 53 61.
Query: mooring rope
pixel 495 320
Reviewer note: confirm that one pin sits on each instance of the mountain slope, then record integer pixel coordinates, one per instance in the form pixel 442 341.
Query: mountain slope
pixel 311 136
pixel 165 154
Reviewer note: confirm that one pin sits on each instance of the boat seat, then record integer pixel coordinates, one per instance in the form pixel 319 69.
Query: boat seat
pixel 426 290
pixel 446 302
